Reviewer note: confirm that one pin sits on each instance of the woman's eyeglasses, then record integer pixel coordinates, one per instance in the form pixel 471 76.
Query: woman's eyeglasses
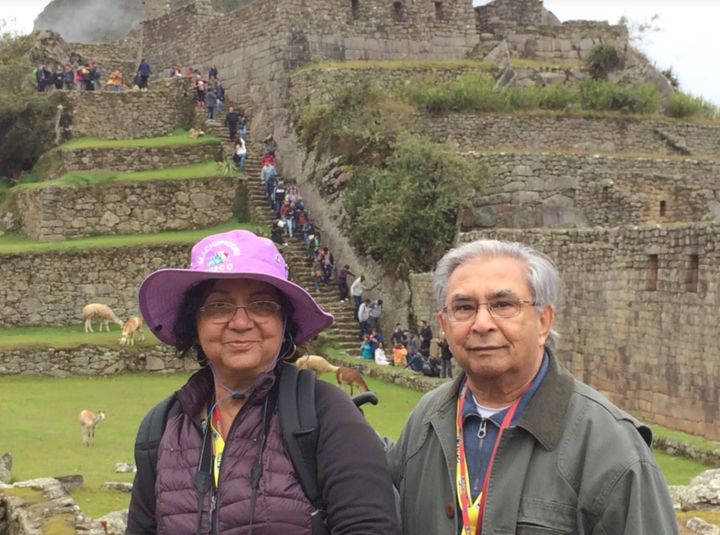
pixel 224 312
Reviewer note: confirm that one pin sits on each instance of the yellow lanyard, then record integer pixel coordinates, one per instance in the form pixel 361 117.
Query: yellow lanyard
pixel 218 444
pixel 472 511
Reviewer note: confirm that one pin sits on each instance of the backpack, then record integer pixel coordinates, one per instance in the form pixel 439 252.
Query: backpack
pixel 298 423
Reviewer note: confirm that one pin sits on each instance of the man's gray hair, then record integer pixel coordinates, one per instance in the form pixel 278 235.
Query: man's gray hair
pixel 542 275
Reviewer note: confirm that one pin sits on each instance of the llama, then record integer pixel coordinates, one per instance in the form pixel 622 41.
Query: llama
pixel 351 377
pixel 132 327
pixel 317 363
pixel 103 313
pixel 88 421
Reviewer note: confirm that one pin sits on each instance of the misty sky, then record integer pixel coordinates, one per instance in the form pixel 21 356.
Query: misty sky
pixel 686 38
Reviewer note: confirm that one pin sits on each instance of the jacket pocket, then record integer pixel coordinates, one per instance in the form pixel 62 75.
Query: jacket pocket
pixel 546 517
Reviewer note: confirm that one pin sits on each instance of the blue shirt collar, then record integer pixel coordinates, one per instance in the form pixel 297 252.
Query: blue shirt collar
pixel 469 408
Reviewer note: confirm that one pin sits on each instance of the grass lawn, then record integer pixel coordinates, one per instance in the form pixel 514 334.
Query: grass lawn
pixel 178 137
pixel 43 435
pixel 14 244
pixel 66 337
pixel 42 432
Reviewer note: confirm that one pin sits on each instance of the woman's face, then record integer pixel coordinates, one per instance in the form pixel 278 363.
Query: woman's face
pixel 243 347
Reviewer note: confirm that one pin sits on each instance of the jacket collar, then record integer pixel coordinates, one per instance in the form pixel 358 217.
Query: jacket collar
pixel 195 395
pixel 544 416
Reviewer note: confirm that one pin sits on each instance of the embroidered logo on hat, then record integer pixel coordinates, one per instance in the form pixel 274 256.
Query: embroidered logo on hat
pixel 219 255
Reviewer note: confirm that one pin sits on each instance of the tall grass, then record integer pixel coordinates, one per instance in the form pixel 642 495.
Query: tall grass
pixel 479 93
pixel 684 106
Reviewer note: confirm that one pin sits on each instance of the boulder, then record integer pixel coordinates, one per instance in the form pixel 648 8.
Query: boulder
pixel 125 467
pixel 70 483
pixel 118 485
pixel 115 523
pixel 698 525
pixel 5 467
pixel 703 492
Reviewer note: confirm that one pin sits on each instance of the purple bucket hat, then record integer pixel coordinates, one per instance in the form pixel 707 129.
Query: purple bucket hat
pixel 238 254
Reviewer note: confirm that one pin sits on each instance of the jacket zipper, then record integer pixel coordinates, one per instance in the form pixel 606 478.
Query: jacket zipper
pixel 216 489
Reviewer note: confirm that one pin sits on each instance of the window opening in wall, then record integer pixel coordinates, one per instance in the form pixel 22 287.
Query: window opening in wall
pixel 652 273
pixel 355 9
pixel 663 208
pixel 397 11
pixel 691 281
pixel 439 10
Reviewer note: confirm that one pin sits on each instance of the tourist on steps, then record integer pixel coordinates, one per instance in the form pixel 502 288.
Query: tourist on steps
pixel 232 119
pixel 144 71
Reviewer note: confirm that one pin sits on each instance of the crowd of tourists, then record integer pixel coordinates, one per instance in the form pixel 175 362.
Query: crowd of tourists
pixel 87 76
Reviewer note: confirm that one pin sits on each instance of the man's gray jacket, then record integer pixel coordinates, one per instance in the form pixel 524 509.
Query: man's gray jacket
pixel 574 463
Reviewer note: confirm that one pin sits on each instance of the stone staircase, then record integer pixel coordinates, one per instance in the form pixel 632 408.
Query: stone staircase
pixel 345 329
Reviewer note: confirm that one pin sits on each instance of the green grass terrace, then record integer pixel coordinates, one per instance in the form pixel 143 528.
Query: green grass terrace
pixel 16 244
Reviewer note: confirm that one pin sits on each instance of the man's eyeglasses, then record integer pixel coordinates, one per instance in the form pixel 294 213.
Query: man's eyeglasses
pixel 463 311
pixel 223 312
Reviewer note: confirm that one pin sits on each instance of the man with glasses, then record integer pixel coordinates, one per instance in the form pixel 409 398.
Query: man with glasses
pixel 516 444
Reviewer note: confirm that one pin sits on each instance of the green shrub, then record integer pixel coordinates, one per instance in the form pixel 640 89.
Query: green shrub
pixel 559 97
pixel 471 92
pixel 523 98
pixel 404 192
pixel 404 214
pixel 672 77
pixel 353 126
pixel 608 96
pixel 684 106
pixel 602 60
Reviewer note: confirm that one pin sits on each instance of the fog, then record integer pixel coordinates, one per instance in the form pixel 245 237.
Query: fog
pixel 86 21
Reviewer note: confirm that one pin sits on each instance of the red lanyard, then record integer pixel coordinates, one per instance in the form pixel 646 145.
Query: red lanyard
pixel 464 495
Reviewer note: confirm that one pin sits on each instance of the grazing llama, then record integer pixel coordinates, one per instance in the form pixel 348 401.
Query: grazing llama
pixel 88 421
pixel 103 313
pixel 350 376
pixel 132 327
pixel 317 363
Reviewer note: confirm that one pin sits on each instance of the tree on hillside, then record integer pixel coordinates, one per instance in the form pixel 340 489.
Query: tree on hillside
pixel 404 214
pixel 404 191
pixel 26 117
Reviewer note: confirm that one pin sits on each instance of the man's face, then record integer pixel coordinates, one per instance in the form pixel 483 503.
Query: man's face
pixel 487 347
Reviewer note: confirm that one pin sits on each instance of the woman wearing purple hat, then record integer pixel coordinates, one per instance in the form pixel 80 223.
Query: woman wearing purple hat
pixel 238 313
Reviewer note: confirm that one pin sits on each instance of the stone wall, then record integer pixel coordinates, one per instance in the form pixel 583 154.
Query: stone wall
pixel 530 12
pixel 569 40
pixel 563 133
pixel 377 29
pixel 127 159
pixel 257 44
pixel 529 190
pixel 157 8
pixel 93 360
pixel 143 207
pixel 51 288
pixel 654 352
pixel 132 114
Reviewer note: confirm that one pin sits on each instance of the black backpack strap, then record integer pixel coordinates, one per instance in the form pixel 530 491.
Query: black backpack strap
pixel 298 421
pixel 142 503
